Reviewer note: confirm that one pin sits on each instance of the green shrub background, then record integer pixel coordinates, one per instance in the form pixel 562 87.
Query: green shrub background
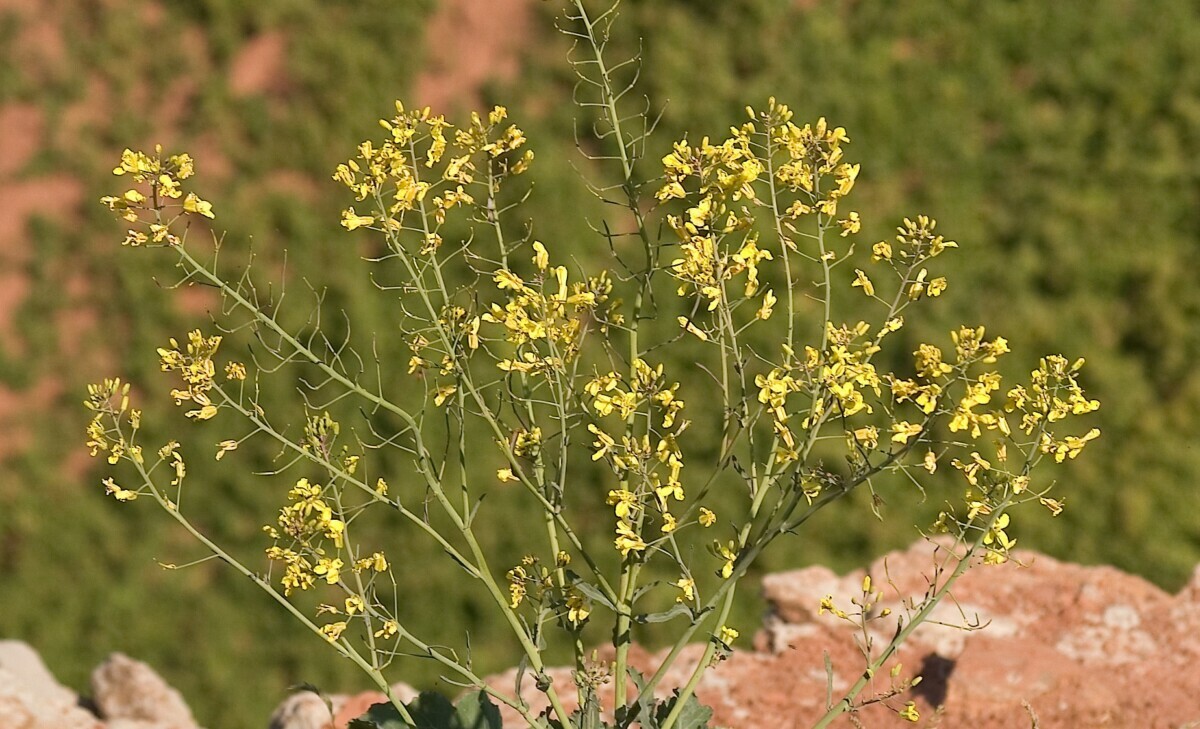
pixel 1057 142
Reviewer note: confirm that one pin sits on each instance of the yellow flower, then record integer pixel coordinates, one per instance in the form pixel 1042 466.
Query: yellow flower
pixel 443 393
pixel 707 518
pixel 578 608
pixel 692 329
pixel 729 554
pixel 860 279
pixel 852 224
pixel 224 447
pixel 768 305
pixel 333 631
pixel 118 493
pixel 168 187
pixel 235 371
pixel 910 713
pixel 727 635
pixel 516 593
pixel 204 413
pixel 353 221
pixel 828 606
pixel 1055 506
pixel 506 279
pixel 1073 445
pixel 505 475
pixel 867 436
pixel 354 604
pixel 516 585
pixel 904 431
pixel 390 628
pixel 193 204
pixel 331 569
pixel 335 529
pixel 998 536
pixel 918 285
pixel 627 540
pixel 541 258
pixel 688 586
pixel 624 502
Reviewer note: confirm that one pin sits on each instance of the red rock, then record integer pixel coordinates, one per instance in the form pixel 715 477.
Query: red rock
pixel 1082 646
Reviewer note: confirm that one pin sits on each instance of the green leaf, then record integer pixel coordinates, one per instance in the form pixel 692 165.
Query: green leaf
pixel 679 609
pixel 693 716
pixel 431 710
pixel 379 716
pixel 641 710
pixel 476 711
pixel 591 592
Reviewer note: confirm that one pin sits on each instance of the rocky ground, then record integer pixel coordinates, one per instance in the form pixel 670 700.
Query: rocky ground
pixel 1062 645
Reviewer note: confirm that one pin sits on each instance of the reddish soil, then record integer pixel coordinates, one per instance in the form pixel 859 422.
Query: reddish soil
pixel 55 197
pixel 39 48
pixel 22 126
pixel 260 66
pixel 87 115
pixel 469 43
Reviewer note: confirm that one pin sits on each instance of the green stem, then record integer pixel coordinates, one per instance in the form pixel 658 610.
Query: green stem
pixel 698 673
pixel 341 646
pixel 915 620
pixel 423 461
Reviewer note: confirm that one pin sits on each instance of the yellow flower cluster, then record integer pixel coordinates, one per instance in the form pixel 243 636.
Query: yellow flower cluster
pixel 916 242
pixel 837 378
pixel 195 366
pixel 111 398
pixel 970 348
pixel 162 178
pixel 390 174
pixel 298 574
pixel 724 173
pixel 545 319
pixel 533 581
pixel 814 153
pixel 320 432
pixel 309 520
pixel 657 465
pixel 1054 394
pixel 308 515
pixel 712 176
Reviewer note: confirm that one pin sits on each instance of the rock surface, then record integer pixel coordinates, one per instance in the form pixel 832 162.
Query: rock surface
pixel 306 710
pixel 30 697
pixel 128 694
pixel 1074 646
pixel 128 691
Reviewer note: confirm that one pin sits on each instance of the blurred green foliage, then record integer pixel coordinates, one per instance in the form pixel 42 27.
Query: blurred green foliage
pixel 1057 142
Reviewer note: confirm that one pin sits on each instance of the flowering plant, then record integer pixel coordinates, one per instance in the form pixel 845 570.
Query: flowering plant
pixel 584 398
